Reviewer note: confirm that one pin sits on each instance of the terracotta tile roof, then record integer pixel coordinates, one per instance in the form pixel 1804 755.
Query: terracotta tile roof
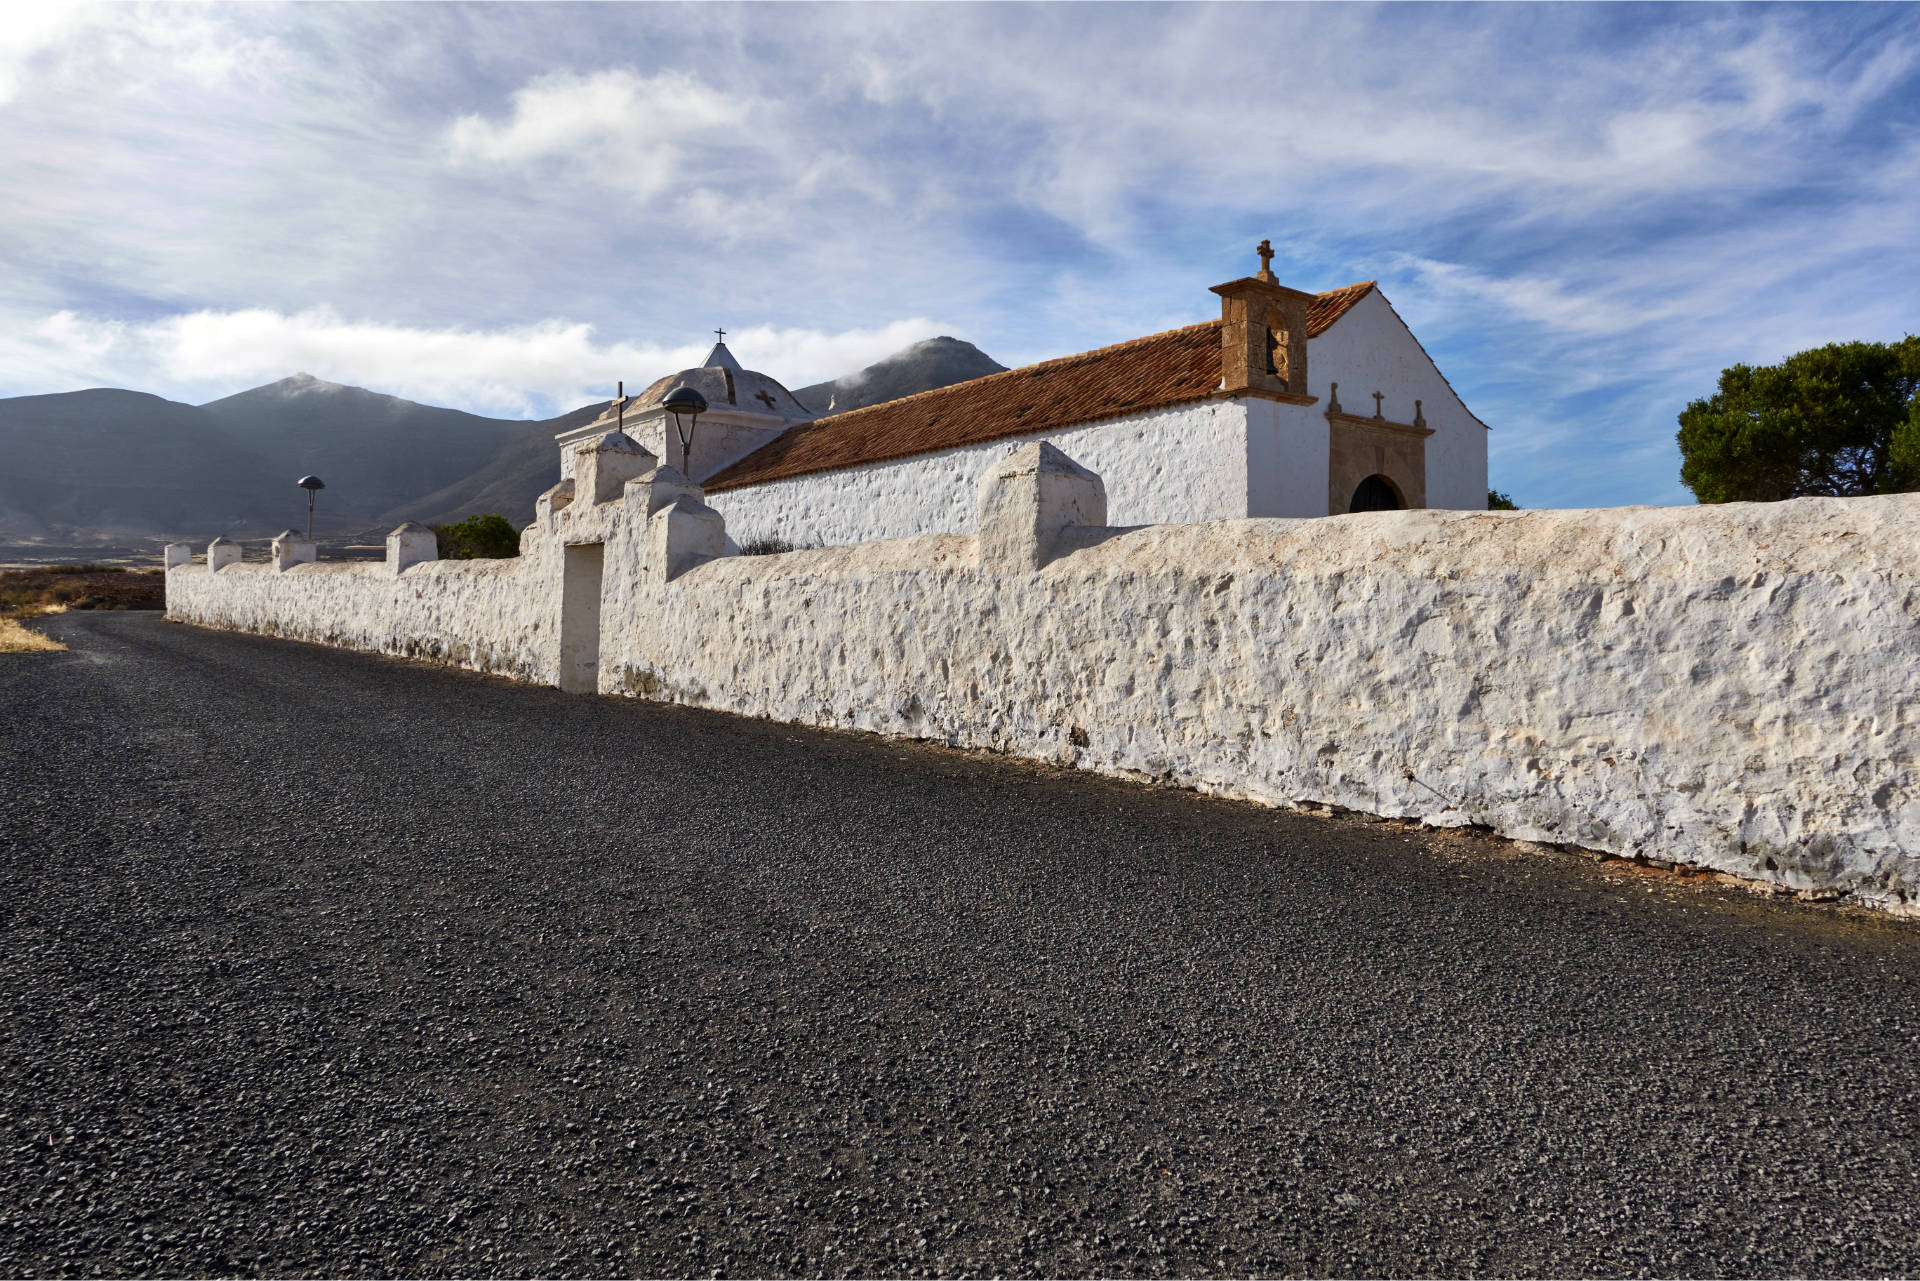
pixel 1330 306
pixel 1177 367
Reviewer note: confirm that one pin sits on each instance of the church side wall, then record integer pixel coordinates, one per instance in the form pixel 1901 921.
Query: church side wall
pixel 1287 458
pixel 1181 464
pixel 1735 688
pixel 491 616
pixel 1369 349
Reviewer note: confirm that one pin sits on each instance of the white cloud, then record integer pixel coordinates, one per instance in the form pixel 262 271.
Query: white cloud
pixel 522 370
pixel 29 32
pixel 111 50
pixel 613 126
pixel 1583 213
pixel 1535 299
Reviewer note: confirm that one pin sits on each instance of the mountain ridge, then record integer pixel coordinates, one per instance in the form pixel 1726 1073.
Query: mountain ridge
pixel 926 365
pixel 113 464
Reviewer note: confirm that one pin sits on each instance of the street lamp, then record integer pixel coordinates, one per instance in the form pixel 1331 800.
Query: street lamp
pixel 311 483
pixel 686 405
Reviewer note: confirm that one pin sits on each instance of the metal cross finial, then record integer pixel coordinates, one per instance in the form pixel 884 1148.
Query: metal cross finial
pixel 1266 259
pixel 1377 398
pixel 720 334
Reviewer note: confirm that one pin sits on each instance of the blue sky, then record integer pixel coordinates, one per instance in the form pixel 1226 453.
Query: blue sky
pixel 1583 212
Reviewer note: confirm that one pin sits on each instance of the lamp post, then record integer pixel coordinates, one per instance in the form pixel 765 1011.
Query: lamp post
pixel 686 405
pixel 310 484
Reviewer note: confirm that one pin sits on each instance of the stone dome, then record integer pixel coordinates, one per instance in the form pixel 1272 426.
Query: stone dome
pixel 726 386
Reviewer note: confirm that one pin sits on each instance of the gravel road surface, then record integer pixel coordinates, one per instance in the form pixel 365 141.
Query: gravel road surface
pixel 321 963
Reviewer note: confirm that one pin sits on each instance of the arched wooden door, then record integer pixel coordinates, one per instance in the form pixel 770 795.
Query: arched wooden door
pixel 1376 494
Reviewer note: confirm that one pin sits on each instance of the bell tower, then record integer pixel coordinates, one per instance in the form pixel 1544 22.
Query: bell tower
pixel 1263 336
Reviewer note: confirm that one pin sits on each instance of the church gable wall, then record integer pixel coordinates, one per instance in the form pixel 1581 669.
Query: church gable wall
pixel 1185 463
pixel 1370 349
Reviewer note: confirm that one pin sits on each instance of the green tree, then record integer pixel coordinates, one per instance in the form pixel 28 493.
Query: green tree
pixel 1499 502
pixel 1840 420
pixel 489 537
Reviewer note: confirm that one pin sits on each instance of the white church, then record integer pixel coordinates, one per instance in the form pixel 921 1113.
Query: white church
pixel 1289 404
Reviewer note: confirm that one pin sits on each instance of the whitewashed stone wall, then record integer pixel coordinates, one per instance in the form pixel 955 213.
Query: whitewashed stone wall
pixel 1735 688
pixel 1180 464
pixel 493 616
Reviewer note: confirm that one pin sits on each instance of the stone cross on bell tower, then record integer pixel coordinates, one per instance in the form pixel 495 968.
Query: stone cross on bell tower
pixel 1263 335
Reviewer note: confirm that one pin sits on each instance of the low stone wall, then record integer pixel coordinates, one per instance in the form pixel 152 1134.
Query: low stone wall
pixel 1733 687
pixel 1736 688
pixel 487 615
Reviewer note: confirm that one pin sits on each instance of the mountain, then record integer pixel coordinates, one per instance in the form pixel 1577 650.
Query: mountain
pixel 106 463
pixel 110 465
pixel 372 450
pixel 527 467
pixel 936 362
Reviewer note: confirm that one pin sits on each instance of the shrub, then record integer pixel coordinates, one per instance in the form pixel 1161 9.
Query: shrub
pixel 1499 502
pixel 488 537
pixel 772 546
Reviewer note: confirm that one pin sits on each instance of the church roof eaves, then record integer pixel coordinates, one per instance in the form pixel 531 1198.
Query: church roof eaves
pixel 1156 372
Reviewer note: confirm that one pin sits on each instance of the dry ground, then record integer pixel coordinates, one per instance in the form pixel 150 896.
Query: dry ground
pixel 26 594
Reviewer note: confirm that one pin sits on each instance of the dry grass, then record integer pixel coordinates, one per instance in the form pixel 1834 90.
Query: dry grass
pixel 16 639
pixel 54 589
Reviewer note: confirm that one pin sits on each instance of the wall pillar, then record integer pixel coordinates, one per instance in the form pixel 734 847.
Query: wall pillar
pixel 603 466
pixel 178 554
pixel 221 552
pixel 684 533
pixel 1028 499
pixel 411 544
pixel 290 549
pixel 662 487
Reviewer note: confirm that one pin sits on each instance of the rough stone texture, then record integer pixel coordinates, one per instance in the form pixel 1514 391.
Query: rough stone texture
pixel 487 615
pixel 1731 687
pixel 222 552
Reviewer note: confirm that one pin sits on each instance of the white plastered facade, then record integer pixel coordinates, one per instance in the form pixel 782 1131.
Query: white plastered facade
pixel 1220 459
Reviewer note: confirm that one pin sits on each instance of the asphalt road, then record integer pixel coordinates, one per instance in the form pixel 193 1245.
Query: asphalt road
pixel 321 963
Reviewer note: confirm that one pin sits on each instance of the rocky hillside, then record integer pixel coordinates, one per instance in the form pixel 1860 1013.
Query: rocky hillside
pixel 106 463
pixel 936 362
pixel 373 450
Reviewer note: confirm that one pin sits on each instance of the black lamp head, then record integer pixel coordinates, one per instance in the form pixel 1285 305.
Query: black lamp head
pixel 684 400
